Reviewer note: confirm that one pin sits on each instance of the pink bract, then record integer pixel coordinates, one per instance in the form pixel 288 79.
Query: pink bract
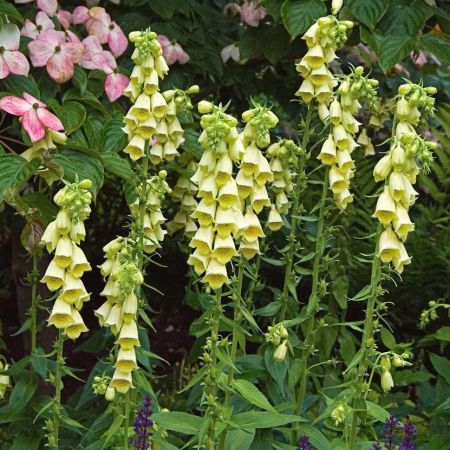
pixel 50 7
pixel 115 84
pixel 230 51
pixel 173 52
pixel 59 54
pixel 11 60
pixel 252 13
pixel 80 15
pixel 34 116
pixel 43 23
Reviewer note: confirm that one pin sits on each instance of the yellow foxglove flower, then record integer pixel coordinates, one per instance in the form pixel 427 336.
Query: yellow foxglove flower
pixel 249 249
pixel 338 183
pixel 328 151
pixel 62 222
pixel 388 246
pixel 252 229
pixel 77 327
pixel 279 355
pixel 64 252
pixel 79 263
pixel 129 308
pixel 61 315
pixel 228 194
pixel 224 249
pixel 385 210
pixel 387 383
pixel 314 57
pixel 103 312
pixel 382 168
pixel 122 381
pixel 54 276
pixel 402 260
pixel 402 224
pixel 128 337
pixel 259 198
pixel 274 221
pixel 225 221
pixel 216 274
pixel 198 261
pixel 126 360
pixel 203 240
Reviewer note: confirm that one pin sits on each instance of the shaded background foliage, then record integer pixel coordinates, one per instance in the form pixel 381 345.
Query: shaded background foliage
pixel 391 30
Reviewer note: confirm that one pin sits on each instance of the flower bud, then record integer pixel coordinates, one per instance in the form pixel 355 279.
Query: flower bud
pixel 387 383
pixel 279 355
pixel 204 107
pixel 110 394
pixel 336 5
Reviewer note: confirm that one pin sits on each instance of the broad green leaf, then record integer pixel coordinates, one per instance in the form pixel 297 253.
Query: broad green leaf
pixel 15 172
pixel 47 209
pixel 443 334
pixel 250 43
pixel 21 394
pixel 79 165
pixel 340 290
pixel 317 439
pixel 439 45
pixel 117 165
pixel 113 429
pixel 263 419
pixel 72 116
pixel 368 12
pixel 39 362
pixel 6 8
pixel 442 366
pixel 180 422
pixel 276 43
pixel 239 439
pixel 113 138
pixel 405 377
pixel 299 15
pixel 377 412
pixel 17 85
pixel 252 394
pixel 28 442
pixel 395 48
pixel 79 79
pixel 388 338
pixel 402 20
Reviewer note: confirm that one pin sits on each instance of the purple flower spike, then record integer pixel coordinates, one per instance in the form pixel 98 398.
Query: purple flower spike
pixel 390 428
pixel 142 425
pixel 408 441
pixel 303 443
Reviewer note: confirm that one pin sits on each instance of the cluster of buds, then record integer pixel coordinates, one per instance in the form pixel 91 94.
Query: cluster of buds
pixel 340 413
pixel 337 148
pixel 430 314
pixel 283 155
pixel 63 236
pixel 119 312
pixel 101 386
pixel 153 117
pixel 152 193
pixel 5 381
pixel 253 175
pixel 218 212
pixel 277 335
pixel 184 193
pixel 323 38
pixel 399 169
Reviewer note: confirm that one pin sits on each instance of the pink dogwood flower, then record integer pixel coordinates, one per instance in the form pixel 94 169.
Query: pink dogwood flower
pixel 33 30
pixel 58 51
pixel 95 57
pixel 230 51
pixel 11 60
pixel 98 23
pixel 252 13
pixel 419 59
pixel 173 52
pixel 34 116
pixel 50 7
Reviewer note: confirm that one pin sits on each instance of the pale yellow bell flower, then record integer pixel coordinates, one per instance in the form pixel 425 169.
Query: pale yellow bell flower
pixel 61 315
pixel 64 252
pixel 225 221
pixel 77 327
pixel 54 276
pixel 146 129
pixel 203 240
pixel 162 132
pixel 396 186
pixel 79 263
pixel 303 68
pixel 250 161
pixel 204 213
pixel 161 66
pixel 314 57
pixel 328 151
pixel 170 151
pixel 335 112
pixel 341 137
pixel 344 160
pixel 252 229
pixel 129 307
pixel 398 157
pixel 385 210
pixel 126 360
pixel 102 313
pixel 282 203
pixel 323 92
pixel 77 231
pixel 72 288
pixel 338 183
pixel 141 108
pixel 63 222
pixel 244 184
pixel 382 168
pixel 224 249
pixel 402 224
pixel 274 221
pixel 387 383
pixel 249 249
pixel 151 83
pixel 159 105
pixel 216 274
pixel 306 91
pixel 135 147
pixel 343 198
pixel 207 161
pixel 50 237
pixel 224 170
pixel 128 337
pixel 228 195
pixel 403 259
pixel 388 246
pixel 198 261
pixel 122 381
pixel 259 198
pixel 114 319
pixel 280 352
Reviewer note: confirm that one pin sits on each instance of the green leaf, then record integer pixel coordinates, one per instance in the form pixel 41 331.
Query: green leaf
pixel 17 85
pixel 239 439
pixel 6 8
pixel 15 172
pixel 299 15
pixel 406 377
pixel 47 209
pixel 21 394
pixel 368 12
pixel 39 362
pixel 388 338
pixel 250 43
pixel 72 116
pixel 393 49
pixel 377 412
pixel 79 79
pixel 443 334
pixel 113 429
pixel 79 165
pixel 163 8
pixel 113 138
pixel 180 422
pixel 317 439
pixel 340 290
pixel 30 442
pixel 402 19
pixel 252 394
pixel 262 419
pixel 442 366
pixel 439 45
pixel 117 165
pixel 276 43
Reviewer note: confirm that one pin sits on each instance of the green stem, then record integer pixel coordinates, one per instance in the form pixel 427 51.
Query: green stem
pixel 237 297
pixel 58 388
pixel 34 300
pixel 312 305
pixel 295 220
pixel 367 338
pixel 126 424
pixel 255 271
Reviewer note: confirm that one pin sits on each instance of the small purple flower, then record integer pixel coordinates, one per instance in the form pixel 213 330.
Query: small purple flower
pixel 376 446
pixel 408 442
pixel 390 428
pixel 303 443
pixel 142 425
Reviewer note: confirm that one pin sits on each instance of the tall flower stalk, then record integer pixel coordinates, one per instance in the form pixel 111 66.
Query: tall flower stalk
pixel 398 169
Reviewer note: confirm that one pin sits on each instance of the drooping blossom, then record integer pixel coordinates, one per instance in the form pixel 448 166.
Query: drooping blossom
pixel 250 12
pixel 419 59
pixel 230 51
pixel 142 426
pixel 34 116
pixel 98 22
pixel 57 50
pixel 11 59
pixel 173 52
pixel 51 8
pixel 95 57
pixel 33 30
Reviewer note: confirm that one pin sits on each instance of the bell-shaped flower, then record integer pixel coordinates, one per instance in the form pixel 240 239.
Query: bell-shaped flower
pixel 102 313
pixel 128 337
pixel 337 180
pixel 252 229
pixel 388 245
pixel 402 223
pixel 224 249
pixel 64 252
pixel 382 168
pixel 205 213
pixel 203 240
pixel 402 260
pixel 328 151
pixel 228 195
pixel 343 198
pixel 73 288
pixel 274 221
pixel 50 237
pixel 385 210
pixel 52 49
pixel 79 262
pixel 249 249
pixel 11 59
pixel 198 261
pixel 41 24
pixel 129 308
pixel 62 314
pixel 107 31
pixel 126 360
pixel 122 381
pixel 77 327
pixel 216 274
pixel 54 276
pixel 114 319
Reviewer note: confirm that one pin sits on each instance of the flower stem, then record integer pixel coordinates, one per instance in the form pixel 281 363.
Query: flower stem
pixel 237 298
pixel 126 424
pixel 295 219
pixel 59 346
pixel 367 338
pixel 34 299
pixel 313 303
